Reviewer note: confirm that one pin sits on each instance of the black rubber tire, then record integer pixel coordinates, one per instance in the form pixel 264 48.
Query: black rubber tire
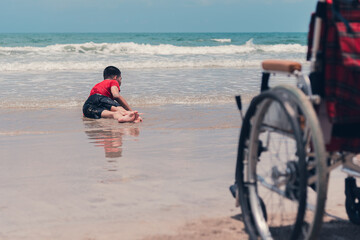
pixel 283 95
pixel 353 210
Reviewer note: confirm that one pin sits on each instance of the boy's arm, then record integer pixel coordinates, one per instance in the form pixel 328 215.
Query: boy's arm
pixel 119 98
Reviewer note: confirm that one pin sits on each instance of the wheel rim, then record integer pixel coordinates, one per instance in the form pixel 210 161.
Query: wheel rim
pixel 277 170
pixel 313 160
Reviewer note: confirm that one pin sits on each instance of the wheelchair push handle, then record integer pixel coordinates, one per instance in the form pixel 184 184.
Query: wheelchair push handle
pixel 239 104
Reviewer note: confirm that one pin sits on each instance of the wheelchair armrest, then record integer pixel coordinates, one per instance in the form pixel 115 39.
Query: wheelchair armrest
pixel 281 66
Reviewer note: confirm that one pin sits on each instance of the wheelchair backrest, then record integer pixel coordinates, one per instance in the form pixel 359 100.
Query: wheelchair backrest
pixel 336 75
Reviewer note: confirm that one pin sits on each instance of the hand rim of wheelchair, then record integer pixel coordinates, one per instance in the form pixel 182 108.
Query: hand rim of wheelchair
pixel 258 225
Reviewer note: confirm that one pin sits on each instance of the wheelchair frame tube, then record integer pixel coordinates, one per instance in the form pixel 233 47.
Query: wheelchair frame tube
pixel 316 39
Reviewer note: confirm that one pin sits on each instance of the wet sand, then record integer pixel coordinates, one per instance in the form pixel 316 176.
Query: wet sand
pixel 66 177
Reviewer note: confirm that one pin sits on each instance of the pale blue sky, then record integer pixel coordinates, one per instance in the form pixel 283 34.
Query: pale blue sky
pixel 155 15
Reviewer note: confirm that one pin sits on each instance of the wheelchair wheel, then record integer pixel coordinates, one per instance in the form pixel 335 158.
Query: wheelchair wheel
pixel 281 167
pixel 352 200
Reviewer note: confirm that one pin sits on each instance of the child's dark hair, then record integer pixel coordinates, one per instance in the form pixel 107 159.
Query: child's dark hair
pixel 110 72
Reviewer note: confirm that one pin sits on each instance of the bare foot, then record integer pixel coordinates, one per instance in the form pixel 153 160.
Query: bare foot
pixel 138 119
pixel 127 118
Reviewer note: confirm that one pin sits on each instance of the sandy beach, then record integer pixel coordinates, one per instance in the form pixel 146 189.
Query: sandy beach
pixel 66 177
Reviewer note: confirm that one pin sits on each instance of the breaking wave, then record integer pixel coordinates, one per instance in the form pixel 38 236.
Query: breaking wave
pixel 129 48
pixel 89 56
pixel 222 40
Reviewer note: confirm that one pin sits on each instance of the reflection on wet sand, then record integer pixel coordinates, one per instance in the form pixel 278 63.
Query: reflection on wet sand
pixel 108 134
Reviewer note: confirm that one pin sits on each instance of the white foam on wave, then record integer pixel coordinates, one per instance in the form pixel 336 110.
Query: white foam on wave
pixel 89 56
pixel 33 103
pixel 222 40
pixel 129 48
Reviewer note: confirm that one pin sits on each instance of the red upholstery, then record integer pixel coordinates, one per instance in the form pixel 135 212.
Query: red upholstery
pixel 341 71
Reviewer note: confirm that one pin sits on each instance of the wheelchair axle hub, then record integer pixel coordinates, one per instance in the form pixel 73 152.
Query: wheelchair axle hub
pixel 288 177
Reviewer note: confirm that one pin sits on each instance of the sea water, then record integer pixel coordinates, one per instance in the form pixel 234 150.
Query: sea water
pixel 57 70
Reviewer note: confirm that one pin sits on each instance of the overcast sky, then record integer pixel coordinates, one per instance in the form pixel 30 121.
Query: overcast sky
pixel 155 15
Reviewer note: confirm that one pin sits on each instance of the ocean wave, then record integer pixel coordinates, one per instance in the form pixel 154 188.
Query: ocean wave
pixel 131 48
pixel 136 64
pixel 222 40
pixel 33 103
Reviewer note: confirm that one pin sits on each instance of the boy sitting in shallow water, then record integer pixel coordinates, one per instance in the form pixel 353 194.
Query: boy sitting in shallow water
pixel 105 100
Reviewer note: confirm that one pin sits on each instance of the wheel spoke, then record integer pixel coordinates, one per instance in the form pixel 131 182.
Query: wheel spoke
pixel 270 186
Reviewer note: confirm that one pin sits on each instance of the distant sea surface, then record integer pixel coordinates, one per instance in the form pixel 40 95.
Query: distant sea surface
pixel 57 70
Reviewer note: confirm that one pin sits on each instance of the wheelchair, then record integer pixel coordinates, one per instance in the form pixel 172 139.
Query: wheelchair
pixel 292 137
